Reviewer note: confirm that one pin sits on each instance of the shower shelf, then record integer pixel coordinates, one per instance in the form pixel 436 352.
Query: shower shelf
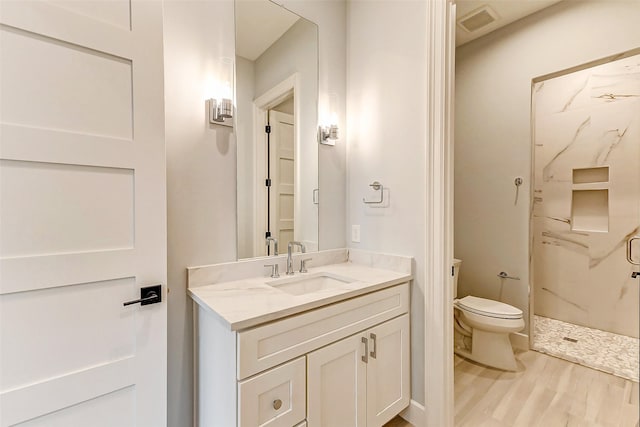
pixel 591 186
pixel 590 199
pixel 590 210
pixel 591 175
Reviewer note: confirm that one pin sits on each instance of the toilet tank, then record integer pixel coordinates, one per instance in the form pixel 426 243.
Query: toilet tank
pixel 456 273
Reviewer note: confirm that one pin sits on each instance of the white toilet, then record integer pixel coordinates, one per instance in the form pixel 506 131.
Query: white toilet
pixel 488 323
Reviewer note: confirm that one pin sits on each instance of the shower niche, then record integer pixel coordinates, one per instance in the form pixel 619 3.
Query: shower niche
pixel 590 199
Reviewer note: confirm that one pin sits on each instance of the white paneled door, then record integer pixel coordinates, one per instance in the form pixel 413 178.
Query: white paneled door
pixel 283 177
pixel 82 214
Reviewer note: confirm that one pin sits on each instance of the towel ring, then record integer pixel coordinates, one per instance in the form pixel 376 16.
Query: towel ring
pixel 378 187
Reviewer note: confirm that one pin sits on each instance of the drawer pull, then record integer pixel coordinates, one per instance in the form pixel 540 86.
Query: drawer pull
pixel 277 404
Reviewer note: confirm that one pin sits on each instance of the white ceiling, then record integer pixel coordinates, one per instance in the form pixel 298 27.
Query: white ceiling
pixel 508 11
pixel 259 23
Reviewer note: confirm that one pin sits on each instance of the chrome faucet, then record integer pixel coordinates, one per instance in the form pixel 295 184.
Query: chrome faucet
pixel 289 260
pixel 275 244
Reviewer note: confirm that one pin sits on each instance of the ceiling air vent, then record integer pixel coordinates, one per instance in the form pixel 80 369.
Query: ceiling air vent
pixel 477 19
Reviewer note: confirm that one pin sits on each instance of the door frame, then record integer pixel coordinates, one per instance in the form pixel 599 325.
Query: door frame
pixel 261 106
pixel 438 297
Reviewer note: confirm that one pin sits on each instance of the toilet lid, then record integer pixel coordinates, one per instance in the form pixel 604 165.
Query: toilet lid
pixel 487 307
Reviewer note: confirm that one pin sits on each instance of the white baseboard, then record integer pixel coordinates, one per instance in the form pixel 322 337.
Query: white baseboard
pixel 519 341
pixel 415 414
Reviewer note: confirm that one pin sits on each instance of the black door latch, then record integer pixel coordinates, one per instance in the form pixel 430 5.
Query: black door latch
pixel 148 295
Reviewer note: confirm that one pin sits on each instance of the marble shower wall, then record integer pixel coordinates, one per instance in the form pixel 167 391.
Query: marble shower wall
pixel 587 196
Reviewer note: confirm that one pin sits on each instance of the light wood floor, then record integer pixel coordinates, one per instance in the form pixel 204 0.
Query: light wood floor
pixel 547 391
pixel 398 422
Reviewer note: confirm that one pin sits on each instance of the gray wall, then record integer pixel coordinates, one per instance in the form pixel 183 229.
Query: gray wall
pixel 387 71
pixel 243 122
pixel 201 176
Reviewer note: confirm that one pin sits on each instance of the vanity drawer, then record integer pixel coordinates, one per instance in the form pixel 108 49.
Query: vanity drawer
pixel 275 398
pixel 269 345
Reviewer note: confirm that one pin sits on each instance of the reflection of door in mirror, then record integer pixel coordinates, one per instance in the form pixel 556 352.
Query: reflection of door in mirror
pixel 281 194
pixel 276 73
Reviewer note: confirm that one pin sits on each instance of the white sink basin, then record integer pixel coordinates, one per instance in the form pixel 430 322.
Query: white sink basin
pixel 309 283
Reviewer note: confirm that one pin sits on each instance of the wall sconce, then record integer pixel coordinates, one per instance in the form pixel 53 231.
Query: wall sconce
pixel 220 90
pixel 327 135
pixel 221 112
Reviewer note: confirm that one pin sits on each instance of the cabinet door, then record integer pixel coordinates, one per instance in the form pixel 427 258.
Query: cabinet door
pixel 336 385
pixel 388 370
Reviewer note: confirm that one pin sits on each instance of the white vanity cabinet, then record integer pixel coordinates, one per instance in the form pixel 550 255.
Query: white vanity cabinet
pixel 362 380
pixel 341 364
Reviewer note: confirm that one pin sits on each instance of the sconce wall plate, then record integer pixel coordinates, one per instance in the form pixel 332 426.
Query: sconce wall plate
pixel 221 113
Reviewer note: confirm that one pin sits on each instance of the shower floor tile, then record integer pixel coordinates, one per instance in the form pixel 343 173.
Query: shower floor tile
pixel 605 351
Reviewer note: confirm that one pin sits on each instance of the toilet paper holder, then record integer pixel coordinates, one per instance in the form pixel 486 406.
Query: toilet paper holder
pixel 504 275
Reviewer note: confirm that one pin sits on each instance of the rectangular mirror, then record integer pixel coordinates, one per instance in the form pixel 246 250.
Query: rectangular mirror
pixel 276 128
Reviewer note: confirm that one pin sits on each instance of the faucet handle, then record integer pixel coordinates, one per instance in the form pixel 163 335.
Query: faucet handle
pixel 303 264
pixel 274 270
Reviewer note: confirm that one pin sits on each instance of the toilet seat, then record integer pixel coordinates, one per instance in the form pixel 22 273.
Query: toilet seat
pixel 489 308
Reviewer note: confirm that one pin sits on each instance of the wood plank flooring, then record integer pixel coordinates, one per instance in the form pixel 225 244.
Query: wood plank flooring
pixel 398 422
pixel 547 391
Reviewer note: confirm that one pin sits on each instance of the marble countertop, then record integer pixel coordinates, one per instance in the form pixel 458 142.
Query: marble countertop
pixel 250 302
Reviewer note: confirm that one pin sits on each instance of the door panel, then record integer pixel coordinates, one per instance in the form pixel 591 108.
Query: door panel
pixel 65 393
pixel 112 409
pixel 76 327
pixel 75 220
pixel 82 213
pixel 115 12
pixel 95 97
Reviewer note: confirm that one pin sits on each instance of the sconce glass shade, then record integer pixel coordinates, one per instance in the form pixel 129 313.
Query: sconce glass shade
pixel 328 135
pixel 225 109
pixel 219 111
pixel 333 132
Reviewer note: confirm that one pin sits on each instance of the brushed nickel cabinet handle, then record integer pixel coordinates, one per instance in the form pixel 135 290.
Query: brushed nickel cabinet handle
pixel 373 340
pixel 277 404
pixel 365 357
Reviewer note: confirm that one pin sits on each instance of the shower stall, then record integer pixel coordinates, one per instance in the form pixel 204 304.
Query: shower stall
pixel 586 215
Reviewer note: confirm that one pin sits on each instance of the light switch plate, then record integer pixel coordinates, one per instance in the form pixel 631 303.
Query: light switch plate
pixel 355 233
